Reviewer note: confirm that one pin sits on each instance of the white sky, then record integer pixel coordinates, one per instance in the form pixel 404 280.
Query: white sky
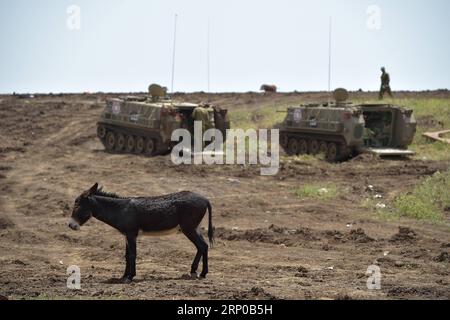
pixel 126 45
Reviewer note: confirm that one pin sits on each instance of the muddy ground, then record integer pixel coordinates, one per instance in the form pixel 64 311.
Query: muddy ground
pixel 270 244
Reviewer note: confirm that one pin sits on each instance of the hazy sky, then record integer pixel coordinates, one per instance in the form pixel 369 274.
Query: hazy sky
pixel 126 45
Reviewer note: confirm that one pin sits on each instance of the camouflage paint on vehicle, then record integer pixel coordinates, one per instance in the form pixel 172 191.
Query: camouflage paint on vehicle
pixel 341 130
pixel 144 125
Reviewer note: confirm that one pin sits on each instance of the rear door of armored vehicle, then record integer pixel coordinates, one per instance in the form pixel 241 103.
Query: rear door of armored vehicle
pixel 219 117
pixel 388 130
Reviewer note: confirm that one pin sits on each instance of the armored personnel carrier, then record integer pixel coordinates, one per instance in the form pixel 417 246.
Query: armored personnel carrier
pixel 341 129
pixel 144 125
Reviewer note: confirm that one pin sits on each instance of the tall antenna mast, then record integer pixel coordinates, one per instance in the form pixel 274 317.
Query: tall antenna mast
pixel 329 56
pixel 174 50
pixel 208 55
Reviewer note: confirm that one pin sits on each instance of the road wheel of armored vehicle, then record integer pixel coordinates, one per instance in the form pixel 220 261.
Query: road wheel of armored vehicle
pixel 150 147
pixel 292 149
pixel 130 144
pixel 284 140
pixel 302 147
pixel 313 147
pixel 140 145
pixel 120 143
pixel 323 148
pixel 110 141
pixel 332 152
pixel 101 132
pixel 344 152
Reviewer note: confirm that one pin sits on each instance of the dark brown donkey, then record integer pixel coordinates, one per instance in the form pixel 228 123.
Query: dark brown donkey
pixel 147 216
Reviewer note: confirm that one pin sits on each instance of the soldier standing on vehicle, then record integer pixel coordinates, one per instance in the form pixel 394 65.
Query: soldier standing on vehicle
pixel 385 84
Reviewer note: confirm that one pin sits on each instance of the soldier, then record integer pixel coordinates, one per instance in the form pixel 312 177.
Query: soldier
pixel 220 117
pixel 385 84
pixel 368 136
pixel 202 113
pixel 371 133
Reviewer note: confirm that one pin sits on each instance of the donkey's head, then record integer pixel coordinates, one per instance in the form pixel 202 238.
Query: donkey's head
pixel 81 212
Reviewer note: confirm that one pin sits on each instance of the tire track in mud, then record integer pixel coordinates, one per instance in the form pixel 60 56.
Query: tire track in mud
pixel 31 185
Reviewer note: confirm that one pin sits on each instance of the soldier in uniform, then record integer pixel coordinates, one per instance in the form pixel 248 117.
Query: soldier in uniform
pixel 202 113
pixel 385 84
pixel 371 133
pixel 368 137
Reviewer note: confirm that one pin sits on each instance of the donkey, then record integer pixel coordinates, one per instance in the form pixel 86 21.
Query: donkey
pixel 147 216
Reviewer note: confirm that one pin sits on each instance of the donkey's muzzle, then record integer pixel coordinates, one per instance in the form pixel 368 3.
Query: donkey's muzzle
pixel 73 225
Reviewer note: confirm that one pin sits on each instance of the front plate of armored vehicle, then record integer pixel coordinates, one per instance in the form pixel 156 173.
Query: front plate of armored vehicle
pixel 342 130
pixel 144 125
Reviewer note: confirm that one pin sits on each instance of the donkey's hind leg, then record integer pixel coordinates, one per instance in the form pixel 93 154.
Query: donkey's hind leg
pixel 204 255
pixel 202 250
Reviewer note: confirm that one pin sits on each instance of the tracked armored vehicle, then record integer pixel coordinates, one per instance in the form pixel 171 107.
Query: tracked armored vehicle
pixel 341 130
pixel 144 125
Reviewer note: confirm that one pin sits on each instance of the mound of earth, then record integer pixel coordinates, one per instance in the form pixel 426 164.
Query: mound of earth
pixel 356 236
pixel 273 235
pixel 304 233
pixel 404 234
pixel 359 236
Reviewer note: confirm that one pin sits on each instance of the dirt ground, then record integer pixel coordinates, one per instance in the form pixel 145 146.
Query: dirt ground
pixel 270 244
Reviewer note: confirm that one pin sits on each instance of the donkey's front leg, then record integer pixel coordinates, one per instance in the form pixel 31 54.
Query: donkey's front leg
pixel 130 256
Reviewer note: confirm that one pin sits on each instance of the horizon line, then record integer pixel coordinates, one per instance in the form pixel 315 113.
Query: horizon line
pixel 205 92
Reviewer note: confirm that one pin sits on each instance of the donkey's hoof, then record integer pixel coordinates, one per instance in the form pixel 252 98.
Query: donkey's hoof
pixel 191 276
pixel 127 280
pixel 203 276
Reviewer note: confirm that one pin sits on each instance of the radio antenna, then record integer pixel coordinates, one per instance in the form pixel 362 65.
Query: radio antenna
pixel 174 50
pixel 208 60
pixel 329 56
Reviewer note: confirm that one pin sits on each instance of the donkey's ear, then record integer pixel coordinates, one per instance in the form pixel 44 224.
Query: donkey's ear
pixel 93 189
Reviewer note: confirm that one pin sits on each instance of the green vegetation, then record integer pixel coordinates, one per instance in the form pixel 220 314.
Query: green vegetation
pixel 317 191
pixel 265 117
pixel 428 200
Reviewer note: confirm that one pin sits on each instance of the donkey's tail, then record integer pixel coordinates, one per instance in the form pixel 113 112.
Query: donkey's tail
pixel 210 225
